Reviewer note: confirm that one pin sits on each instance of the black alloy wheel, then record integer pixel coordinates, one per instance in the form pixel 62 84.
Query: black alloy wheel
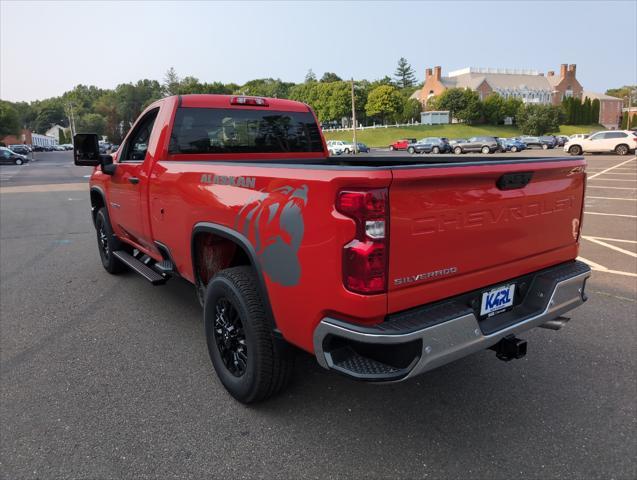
pixel 230 337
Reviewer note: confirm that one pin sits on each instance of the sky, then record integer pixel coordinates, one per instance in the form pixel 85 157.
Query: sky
pixel 46 48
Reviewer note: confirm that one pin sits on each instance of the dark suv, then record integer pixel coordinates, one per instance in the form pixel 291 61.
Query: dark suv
pixel 538 142
pixel 433 145
pixel 477 144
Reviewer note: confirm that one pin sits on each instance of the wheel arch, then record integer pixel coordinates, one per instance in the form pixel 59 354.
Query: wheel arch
pixel 242 254
pixel 98 200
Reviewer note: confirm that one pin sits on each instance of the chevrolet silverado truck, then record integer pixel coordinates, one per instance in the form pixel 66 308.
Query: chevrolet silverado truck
pixel 381 267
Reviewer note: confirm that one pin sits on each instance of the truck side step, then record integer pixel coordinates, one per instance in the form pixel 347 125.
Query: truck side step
pixel 144 270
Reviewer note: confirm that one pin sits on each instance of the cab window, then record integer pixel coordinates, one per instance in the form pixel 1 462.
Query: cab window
pixel 137 144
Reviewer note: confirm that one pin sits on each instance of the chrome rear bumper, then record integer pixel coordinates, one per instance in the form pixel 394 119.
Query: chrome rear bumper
pixel 444 332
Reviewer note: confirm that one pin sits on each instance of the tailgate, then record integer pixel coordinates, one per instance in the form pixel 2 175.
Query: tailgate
pixel 459 228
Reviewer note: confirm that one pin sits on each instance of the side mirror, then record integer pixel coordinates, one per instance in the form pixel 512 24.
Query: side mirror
pixel 86 150
pixel 108 167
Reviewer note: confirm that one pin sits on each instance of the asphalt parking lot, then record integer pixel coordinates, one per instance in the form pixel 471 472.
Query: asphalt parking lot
pixel 108 377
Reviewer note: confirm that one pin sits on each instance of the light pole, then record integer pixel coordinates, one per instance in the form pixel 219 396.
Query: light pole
pixel 354 119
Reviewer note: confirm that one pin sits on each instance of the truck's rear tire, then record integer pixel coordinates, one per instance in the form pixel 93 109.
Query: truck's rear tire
pixel 249 361
pixel 107 242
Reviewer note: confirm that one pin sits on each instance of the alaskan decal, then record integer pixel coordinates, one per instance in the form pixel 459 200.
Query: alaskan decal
pixel 245 182
pixel 273 221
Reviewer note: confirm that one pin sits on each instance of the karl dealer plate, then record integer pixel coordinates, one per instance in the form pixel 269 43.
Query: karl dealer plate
pixel 497 299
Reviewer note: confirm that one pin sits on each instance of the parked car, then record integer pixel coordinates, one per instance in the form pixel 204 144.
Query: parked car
pixel 438 144
pixel 621 142
pixel 334 147
pixel 59 148
pixel 362 148
pixel 21 149
pixel 420 147
pixel 579 135
pixel 477 144
pixel 113 148
pixel 561 140
pixel 551 140
pixel 362 264
pixel 67 146
pixel 8 156
pixel 513 144
pixel 38 148
pixel 536 142
pixel 48 148
pixel 402 144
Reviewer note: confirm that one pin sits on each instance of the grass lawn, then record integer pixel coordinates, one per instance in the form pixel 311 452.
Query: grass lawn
pixel 382 137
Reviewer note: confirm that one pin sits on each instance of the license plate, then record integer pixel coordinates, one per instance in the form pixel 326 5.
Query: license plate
pixel 497 299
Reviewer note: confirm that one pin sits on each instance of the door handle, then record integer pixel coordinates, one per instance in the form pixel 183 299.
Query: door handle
pixel 133 180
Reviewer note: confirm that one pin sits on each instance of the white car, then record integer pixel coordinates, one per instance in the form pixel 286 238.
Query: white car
pixel 335 147
pixel 619 141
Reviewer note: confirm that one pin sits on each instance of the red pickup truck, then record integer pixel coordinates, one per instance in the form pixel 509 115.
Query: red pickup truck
pixel 402 144
pixel 381 267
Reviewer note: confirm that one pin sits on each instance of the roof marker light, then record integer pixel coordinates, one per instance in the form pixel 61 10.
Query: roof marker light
pixel 255 101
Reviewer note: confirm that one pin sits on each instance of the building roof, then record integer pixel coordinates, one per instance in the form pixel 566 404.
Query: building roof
pixel 599 96
pixel 498 81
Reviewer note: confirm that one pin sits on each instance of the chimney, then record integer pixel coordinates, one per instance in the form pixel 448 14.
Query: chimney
pixel 437 72
pixel 572 68
pixel 550 73
pixel 427 73
pixel 563 70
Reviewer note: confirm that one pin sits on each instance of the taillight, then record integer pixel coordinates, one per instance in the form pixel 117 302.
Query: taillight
pixel 365 256
pixel 258 101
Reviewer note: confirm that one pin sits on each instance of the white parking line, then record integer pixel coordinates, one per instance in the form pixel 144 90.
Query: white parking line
pixel 621 173
pixel 615 179
pixel 612 168
pixel 608 245
pixel 612 239
pixel 610 214
pixel 613 188
pixel 602 268
pixel 613 198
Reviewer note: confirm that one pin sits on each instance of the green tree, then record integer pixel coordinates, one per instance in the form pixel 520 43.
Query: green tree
pixel 404 74
pixel 472 110
pixel 266 87
pixel 586 111
pixel 9 121
pixel 310 76
pixel 624 93
pixel 383 102
pixel 535 119
pixel 410 110
pixel 62 138
pixel 511 107
pixel 330 77
pixel 452 99
pixel 170 85
pixel 91 123
pixel 494 109
pixel 595 106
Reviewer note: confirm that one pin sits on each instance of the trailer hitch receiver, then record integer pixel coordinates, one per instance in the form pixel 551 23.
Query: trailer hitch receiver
pixel 509 348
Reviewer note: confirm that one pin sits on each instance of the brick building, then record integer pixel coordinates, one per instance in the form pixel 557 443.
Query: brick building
pixel 530 86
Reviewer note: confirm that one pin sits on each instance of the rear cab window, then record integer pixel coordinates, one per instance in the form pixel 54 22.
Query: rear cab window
pixel 198 130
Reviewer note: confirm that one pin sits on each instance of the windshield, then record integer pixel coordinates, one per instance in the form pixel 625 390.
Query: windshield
pixel 215 130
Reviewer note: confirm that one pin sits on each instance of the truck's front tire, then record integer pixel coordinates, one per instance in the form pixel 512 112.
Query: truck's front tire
pixel 247 358
pixel 107 242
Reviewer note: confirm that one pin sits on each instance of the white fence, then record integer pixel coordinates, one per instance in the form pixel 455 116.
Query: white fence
pixel 360 127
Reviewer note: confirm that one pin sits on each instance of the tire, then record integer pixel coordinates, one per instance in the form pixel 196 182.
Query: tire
pixel 411 150
pixel 107 242
pixel 391 148
pixel 457 150
pixel 435 150
pixel 248 360
pixel 622 150
pixel 575 150
pixel 485 149
pixel 514 149
pixel 347 151
pixel 18 161
pixel 545 146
